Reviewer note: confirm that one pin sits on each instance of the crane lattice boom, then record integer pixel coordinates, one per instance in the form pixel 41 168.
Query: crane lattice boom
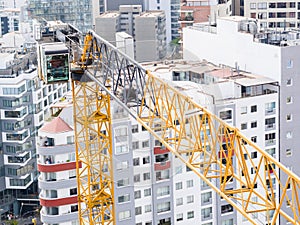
pixel 217 152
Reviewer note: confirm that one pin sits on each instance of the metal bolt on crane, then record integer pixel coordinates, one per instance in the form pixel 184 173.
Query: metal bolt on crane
pixel 217 152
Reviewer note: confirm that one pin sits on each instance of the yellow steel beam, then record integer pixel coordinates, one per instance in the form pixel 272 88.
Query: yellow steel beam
pixel 92 120
pixel 218 152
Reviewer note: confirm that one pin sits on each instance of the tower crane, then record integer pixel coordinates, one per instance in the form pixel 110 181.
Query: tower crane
pixel 216 152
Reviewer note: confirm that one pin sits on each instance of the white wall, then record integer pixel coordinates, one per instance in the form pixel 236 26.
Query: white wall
pixel 230 47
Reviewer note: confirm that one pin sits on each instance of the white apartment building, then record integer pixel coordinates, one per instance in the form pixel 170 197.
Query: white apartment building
pixel 25 103
pixel 272 14
pixel 57 166
pixel 237 42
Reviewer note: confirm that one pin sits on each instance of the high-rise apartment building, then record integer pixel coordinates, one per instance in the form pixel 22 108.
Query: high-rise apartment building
pixel 9 19
pixel 270 53
pixel 81 14
pixel 171 9
pixel 25 102
pixel 148 29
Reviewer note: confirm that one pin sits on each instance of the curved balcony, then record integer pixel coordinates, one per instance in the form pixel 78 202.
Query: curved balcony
pixel 54 202
pixel 162 165
pixel 57 219
pixel 57 167
pixel 60 184
pixel 160 150
pixel 56 150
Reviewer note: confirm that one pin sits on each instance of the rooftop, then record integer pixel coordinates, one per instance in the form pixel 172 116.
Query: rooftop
pixel 57 125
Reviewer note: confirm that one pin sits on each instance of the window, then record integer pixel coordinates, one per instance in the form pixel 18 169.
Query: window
pixel 147 192
pixel 253 108
pixel 73 191
pixel 179 201
pixel 188 169
pixel 206 197
pixel 146 176
pixel 226 208
pixel 123 198
pixel 179 217
pixel 162 175
pixel 288 152
pixel 138 210
pixel 163 207
pixel 146 160
pixel 136 161
pixel 262 5
pixel 178 169
pixel 252 5
pixel 289 82
pixel 136 178
pixel 254 124
pixel 137 194
pixel 227 222
pixel 289 134
pixel 135 128
pixel 148 208
pixel 162 191
pixel 288 117
pixel 190 199
pixel 122 165
pixel 178 186
pixel 254 139
pixel 289 64
pixel 124 215
pixel 123 182
pixel 244 110
pixel 253 155
pixel 135 145
pixel 145 144
pixel 289 99
pixel 121 149
pixel 190 214
pixel 72 174
pixel 189 183
pixel 243 126
pixel 206 213
pixel 226 115
pixel 269 107
pixel 74 208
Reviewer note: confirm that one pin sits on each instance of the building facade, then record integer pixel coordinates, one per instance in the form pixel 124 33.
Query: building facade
pixel 148 29
pixel 57 167
pixel 25 103
pixel 81 14
pixel 269 53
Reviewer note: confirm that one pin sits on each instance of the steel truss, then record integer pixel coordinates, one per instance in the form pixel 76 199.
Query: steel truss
pixel 217 152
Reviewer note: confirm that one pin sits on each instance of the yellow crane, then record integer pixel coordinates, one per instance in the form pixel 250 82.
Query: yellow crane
pixel 217 152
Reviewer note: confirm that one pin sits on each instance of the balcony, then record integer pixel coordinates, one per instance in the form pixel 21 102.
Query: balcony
pixel 270 142
pixel 57 167
pixel 270 111
pixel 48 202
pixel 58 184
pixel 56 219
pixel 160 150
pixel 269 127
pixel 162 165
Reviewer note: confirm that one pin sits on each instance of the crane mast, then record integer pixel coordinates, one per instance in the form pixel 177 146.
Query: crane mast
pixel 217 152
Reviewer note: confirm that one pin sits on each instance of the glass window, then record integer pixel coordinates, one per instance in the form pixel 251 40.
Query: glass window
pixel 244 110
pixel 179 201
pixel 162 191
pixel 190 214
pixel 163 207
pixel 179 217
pixel 147 192
pixel 123 198
pixel 137 194
pixel 124 215
pixel 178 185
pixel 122 149
pixel 190 199
pixel 189 183
pixel 138 210
pixel 148 208
pixel 123 182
